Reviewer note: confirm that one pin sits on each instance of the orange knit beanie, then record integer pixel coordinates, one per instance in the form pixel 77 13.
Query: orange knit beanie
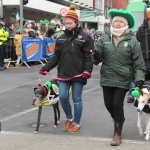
pixel 71 14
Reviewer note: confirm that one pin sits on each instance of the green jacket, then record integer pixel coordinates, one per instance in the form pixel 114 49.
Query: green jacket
pixel 125 59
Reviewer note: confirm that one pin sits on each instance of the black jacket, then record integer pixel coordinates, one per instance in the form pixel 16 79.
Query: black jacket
pixel 72 54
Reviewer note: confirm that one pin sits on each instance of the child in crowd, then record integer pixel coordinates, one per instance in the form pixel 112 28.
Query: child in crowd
pixel 17 44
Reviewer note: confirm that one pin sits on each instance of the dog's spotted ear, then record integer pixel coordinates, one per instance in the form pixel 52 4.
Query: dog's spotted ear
pixel 35 88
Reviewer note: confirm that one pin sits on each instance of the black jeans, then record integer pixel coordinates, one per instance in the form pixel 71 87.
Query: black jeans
pixel 2 54
pixel 114 102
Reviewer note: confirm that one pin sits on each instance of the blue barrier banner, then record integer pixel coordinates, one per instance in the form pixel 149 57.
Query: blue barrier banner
pixel 31 49
pixel 49 47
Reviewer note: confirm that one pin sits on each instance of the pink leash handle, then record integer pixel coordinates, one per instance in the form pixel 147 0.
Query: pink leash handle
pixel 62 79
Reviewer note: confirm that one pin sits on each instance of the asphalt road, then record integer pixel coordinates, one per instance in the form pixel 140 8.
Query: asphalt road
pixel 18 116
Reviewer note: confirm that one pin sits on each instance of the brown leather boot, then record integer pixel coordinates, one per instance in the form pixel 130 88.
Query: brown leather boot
pixel 117 133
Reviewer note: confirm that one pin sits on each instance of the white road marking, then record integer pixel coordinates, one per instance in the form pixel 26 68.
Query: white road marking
pixel 91 89
pixel 30 110
pixel 73 137
pixel 9 89
pixel 19 114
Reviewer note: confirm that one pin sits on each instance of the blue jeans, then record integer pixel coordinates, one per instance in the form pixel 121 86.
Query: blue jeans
pixel 130 90
pixel 77 88
pixel 147 66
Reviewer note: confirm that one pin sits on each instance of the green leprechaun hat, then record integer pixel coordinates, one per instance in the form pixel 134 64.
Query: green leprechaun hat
pixel 123 13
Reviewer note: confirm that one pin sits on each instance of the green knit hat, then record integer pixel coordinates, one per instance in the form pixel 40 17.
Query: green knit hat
pixel 123 13
pixel 45 22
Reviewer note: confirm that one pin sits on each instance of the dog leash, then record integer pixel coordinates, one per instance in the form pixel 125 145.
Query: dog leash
pixel 66 79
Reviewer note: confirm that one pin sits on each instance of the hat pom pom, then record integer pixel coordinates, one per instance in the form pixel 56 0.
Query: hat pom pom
pixel 72 7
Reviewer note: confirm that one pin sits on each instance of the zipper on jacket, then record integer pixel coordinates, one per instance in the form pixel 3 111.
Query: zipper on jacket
pixel 114 64
pixel 72 47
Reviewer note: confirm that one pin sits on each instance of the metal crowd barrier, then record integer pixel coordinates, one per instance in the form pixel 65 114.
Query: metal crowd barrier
pixel 10 54
pixel 33 49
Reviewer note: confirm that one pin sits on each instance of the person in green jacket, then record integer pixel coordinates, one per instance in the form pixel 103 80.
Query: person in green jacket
pixel 122 63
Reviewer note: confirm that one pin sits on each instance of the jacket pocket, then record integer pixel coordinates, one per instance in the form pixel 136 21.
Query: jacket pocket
pixel 60 44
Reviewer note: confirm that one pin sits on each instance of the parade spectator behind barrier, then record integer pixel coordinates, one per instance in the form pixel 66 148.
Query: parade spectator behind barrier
pixel 87 30
pixel 24 32
pixel 59 30
pixel 10 52
pixel 50 33
pixel 15 22
pixel 38 25
pixel 73 56
pixel 43 29
pixel 92 33
pixel 62 29
pixel 32 29
pixel 3 39
pixel 122 60
pixel 52 24
pixel 18 46
pixel 98 35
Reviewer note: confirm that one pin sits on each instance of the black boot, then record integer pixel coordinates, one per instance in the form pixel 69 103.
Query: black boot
pixel 117 133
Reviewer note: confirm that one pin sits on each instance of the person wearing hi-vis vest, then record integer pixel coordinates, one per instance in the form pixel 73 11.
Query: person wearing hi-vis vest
pixel 3 38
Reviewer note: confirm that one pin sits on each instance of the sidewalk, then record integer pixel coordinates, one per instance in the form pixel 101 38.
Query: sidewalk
pixel 30 141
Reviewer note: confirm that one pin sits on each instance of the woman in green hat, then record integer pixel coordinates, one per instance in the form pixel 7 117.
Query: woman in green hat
pixel 122 62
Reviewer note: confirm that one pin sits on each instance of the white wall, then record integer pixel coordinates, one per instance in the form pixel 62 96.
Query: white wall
pixel 40 5
pixel 11 2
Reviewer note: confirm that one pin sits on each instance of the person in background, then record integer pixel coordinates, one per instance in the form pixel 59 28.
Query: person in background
pixel 92 33
pixel 18 46
pixel 43 29
pixel 122 61
pixel 9 53
pixel 139 35
pixel 50 33
pixel 72 54
pixel 3 39
pixel 32 29
pixel 59 30
pixel 24 32
pixel 87 30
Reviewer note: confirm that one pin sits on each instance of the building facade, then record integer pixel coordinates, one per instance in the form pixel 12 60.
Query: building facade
pixel 91 12
pixel 112 4
pixel 117 4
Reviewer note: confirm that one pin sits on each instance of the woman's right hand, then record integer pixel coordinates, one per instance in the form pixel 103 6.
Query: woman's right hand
pixel 42 72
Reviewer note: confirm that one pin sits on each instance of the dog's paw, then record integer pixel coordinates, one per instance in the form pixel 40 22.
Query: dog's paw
pixel 55 126
pixel 58 121
pixel 36 132
pixel 147 138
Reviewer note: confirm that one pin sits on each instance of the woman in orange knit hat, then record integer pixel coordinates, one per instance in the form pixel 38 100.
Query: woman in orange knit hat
pixel 73 57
